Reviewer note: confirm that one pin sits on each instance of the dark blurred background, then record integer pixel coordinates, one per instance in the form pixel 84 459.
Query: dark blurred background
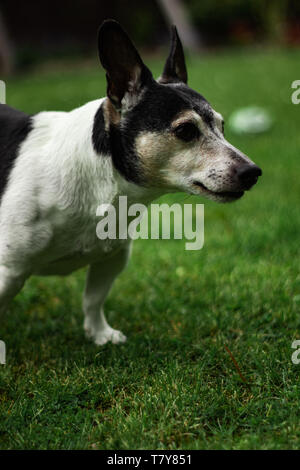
pixel 34 31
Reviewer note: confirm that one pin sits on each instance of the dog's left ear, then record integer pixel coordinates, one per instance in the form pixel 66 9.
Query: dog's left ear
pixel 175 68
pixel 125 71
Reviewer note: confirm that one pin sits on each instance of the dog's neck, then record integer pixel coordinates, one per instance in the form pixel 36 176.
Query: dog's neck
pixel 106 116
pixel 97 179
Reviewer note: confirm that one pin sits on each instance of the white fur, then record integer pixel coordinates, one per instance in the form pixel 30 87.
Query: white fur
pixel 48 210
pixel 48 213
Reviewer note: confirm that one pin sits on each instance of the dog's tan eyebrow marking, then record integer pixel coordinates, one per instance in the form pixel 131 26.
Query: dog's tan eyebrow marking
pixel 187 116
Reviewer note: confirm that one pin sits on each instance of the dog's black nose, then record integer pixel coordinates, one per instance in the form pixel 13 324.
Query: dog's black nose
pixel 248 175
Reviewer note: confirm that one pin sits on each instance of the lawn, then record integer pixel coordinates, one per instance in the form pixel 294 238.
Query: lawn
pixel 173 385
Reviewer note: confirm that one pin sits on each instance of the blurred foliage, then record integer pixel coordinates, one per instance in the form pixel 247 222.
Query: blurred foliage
pixel 238 21
pixel 43 30
pixel 46 30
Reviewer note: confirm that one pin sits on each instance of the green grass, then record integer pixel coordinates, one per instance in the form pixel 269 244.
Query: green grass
pixel 173 384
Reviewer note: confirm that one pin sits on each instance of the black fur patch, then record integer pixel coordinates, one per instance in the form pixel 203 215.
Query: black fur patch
pixel 14 128
pixel 159 105
pixel 197 102
pixel 100 137
pixel 124 157
pixel 116 144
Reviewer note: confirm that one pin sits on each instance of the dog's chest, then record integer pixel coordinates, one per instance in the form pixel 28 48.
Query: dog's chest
pixel 76 246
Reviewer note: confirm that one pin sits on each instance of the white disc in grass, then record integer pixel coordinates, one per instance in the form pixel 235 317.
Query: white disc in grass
pixel 250 120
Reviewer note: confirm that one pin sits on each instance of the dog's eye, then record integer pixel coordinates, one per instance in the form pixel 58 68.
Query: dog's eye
pixel 223 130
pixel 187 132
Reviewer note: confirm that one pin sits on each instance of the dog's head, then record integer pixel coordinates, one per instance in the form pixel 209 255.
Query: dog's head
pixel 162 134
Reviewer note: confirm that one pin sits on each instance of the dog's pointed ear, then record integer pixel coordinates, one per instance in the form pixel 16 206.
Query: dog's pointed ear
pixel 125 71
pixel 175 68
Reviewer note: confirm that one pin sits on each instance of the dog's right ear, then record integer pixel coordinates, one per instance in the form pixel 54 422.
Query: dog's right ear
pixel 125 71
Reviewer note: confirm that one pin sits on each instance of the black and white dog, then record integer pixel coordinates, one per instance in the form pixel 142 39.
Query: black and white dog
pixel 144 139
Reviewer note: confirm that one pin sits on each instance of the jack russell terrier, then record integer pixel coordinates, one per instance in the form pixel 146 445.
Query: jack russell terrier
pixel 146 138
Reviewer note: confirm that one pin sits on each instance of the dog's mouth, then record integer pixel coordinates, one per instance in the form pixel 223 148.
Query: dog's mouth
pixel 228 195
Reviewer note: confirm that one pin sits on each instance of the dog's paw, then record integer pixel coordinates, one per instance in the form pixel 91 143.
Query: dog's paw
pixel 103 335
pixel 109 334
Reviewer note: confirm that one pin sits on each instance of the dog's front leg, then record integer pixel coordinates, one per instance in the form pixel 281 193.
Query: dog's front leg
pixel 11 283
pixel 100 278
